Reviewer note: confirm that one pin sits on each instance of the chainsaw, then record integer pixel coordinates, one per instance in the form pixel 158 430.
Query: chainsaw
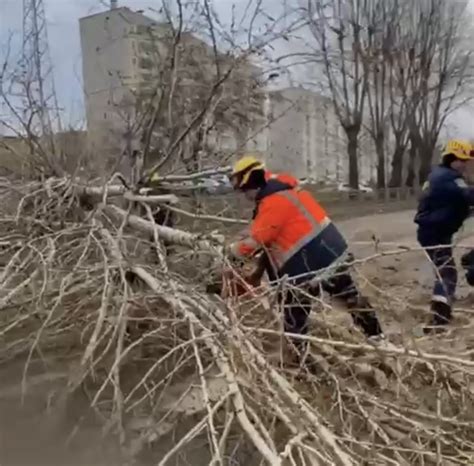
pixel 234 281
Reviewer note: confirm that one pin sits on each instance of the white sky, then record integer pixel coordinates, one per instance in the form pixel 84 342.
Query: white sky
pixel 63 31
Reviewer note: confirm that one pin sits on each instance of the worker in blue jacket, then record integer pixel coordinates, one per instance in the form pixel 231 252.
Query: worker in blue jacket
pixel 444 206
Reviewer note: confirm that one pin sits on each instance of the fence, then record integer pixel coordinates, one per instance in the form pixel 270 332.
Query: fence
pixel 376 195
pixel 346 205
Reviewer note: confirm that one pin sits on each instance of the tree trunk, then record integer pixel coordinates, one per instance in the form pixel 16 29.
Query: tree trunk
pixel 171 235
pixel 410 181
pixel 426 159
pixel 352 146
pixel 380 149
pixel 397 168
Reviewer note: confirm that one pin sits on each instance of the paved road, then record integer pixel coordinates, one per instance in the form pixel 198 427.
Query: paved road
pixel 388 227
pixel 392 229
pixel 409 275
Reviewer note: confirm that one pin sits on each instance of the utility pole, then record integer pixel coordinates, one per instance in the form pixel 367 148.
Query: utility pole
pixel 37 69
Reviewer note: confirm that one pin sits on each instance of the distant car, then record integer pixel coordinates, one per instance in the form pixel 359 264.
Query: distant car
pixel 218 184
pixel 304 181
pixel 344 187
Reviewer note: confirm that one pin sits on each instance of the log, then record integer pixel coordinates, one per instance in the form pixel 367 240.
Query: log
pixel 196 176
pixel 156 199
pixel 171 235
pixel 221 359
pixel 111 190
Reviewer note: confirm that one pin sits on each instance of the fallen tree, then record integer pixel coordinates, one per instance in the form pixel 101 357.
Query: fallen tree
pixel 170 368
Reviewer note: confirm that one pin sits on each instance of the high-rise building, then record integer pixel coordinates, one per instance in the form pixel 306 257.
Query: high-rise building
pixel 112 71
pixel 304 137
pixel 126 62
pixel 124 55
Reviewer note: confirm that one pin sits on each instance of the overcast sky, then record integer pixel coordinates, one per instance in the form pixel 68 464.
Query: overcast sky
pixel 63 31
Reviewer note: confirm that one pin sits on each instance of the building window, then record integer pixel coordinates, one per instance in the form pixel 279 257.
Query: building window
pixel 105 116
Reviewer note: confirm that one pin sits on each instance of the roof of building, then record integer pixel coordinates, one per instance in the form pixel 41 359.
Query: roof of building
pixel 133 17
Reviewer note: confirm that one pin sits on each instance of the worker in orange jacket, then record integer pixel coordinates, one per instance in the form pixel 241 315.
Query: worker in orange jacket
pixel 263 264
pixel 300 241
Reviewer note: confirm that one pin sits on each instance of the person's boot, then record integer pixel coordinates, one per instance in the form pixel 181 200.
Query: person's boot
pixel 441 317
pixel 364 316
pixel 467 262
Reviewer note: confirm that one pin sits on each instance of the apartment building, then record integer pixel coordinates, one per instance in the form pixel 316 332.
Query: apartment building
pixel 124 54
pixel 304 136
pixel 109 71
pixel 295 129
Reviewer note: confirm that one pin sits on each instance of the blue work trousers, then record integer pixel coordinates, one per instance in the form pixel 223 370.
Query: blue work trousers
pixel 440 251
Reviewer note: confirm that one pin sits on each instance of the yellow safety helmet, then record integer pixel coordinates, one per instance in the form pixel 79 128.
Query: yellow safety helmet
pixel 462 150
pixel 243 168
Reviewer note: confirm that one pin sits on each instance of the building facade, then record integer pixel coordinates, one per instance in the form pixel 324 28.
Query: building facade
pixel 294 129
pixel 303 136
pixel 126 58
pixel 111 75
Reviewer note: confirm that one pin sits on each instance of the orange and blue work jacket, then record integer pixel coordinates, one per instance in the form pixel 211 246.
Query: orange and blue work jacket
pixel 283 177
pixel 294 230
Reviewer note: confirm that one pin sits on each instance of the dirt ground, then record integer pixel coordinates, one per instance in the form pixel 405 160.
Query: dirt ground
pixel 30 436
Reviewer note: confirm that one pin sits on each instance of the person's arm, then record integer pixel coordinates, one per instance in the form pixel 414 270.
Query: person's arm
pixel 465 190
pixel 265 228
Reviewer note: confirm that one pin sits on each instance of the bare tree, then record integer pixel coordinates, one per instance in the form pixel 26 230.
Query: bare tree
pixel 403 64
pixel 202 84
pixel 400 71
pixel 441 71
pixel 172 373
pixel 339 30
pixel 380 65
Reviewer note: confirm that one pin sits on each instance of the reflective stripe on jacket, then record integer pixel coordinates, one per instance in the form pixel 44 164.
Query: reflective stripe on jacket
pixel 294 229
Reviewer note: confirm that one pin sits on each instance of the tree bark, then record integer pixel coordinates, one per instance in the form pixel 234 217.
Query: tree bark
pixel 352 149
pixel 380 149
pixel 426 160
pixel 411 176
pixel 397 168
pixel 170 235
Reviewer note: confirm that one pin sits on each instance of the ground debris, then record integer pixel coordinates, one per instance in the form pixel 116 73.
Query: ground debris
pixel 173 373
